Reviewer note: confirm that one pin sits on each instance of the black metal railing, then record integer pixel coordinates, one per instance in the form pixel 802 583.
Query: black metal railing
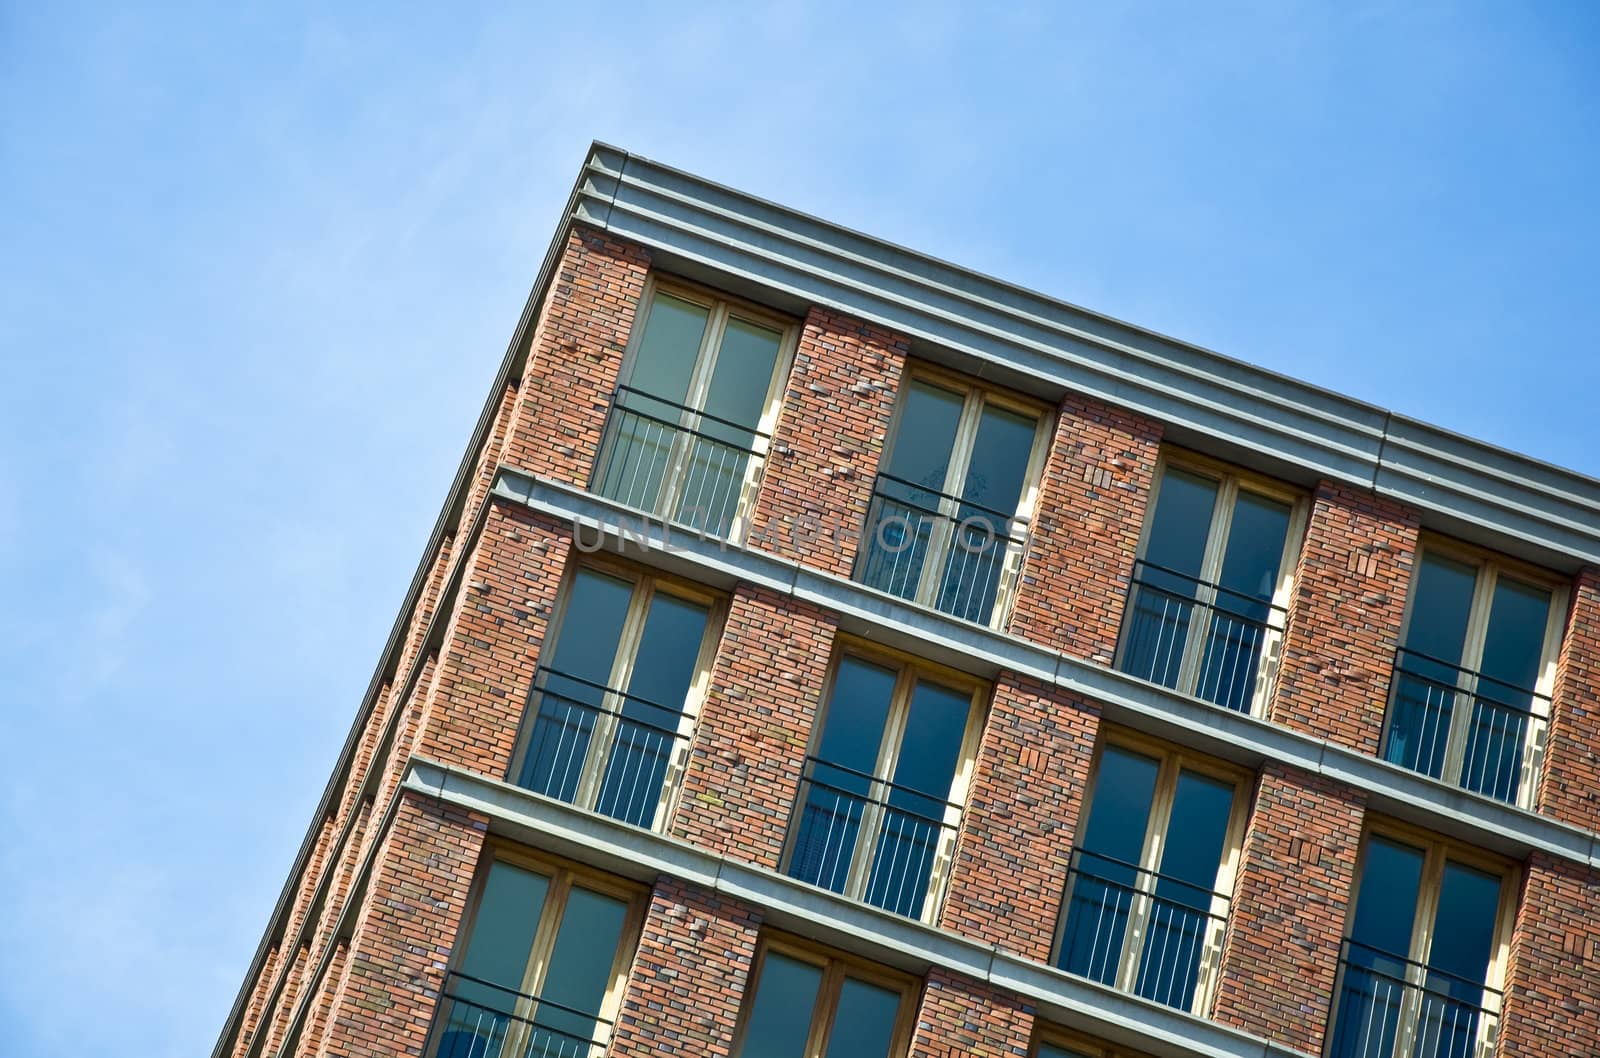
pixel 910 525
pixel 480 1019
pixel 1497 734
pixel 599 746
pixel 1114 906
pixel 1167 608
pixel 843 814
pixel 1389 1006
pixel 674 460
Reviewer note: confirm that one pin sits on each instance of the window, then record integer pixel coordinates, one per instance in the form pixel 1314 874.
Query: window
pixel 946 524
pixel 540 974
pixel 1205 613
pixel 806 1002
pixel 881 793
pixel 1056 1042
pixel 1470 699
pixel 1423 953
pixel 615 695
pixel 691 420
pixel 1150 880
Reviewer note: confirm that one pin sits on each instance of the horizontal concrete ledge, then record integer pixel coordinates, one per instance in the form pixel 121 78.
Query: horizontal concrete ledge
pixel 553 826
pixel 1019 337
pixel 600 524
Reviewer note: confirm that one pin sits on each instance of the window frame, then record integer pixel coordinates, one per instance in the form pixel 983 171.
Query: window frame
pixel 563 874
pixel 1231 480
pixel 720 307
pixel 836 965
pixel 1079 1043
pixel 1489 566
pixel 975 393
pixel 1172 760
pixel 647 583
pixel 1436 852
pixel 908 670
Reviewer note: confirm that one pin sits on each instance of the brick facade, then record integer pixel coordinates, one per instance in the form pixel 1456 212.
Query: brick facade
pixel 830 437
pixel 750 743
pixel 1570 785
pixel 962 1018
pixel 688 978
pixel 1032 770
pixel 1296 875
pixel 1084 539
pixel 1344 617
pixel 1553 983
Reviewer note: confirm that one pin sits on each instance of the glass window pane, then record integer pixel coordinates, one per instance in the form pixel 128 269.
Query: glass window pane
pixel 1050 1050
pixel 579 974
pixel 1438 626
pixel 990 494
pixel 780 1017
pixel 852 736
pixel 905 506
pixel 863 1024
pixel 913 821
pixel 742 378
pixel 1367 1012
pixel 574 689
pixel 1427 676
pixel 1162 603
pixel 1464 924
pixel 663 668
pixel 1197 829
pixel 1238 625
pixel 1103 883
pixel 1513 649
pixel 999 461
pixel 502 937
pixel 1386 905
pixel 664 364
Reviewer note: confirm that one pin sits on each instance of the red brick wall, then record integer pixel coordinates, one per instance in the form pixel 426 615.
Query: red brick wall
pixel 688 977
pixel 1553 993
pixel 830 436
pixel 1289 902
pixel 1344 617
pixel 406 931
pixel 1570 788
pixel 575 355
pixel 750 743
pixel 962 1018
pixel 1016 836
pixel 1083 542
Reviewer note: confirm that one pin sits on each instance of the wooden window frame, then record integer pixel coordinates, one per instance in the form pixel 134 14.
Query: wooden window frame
pixel 835 965
pixel 1171 760
pixel 647 583
pixel 563 874
pixel 1436 852
pixel 1231 480
pixel 1490 567
pixel 975 394
pixel 1077 1043
pixel 720 308
pixel 908 670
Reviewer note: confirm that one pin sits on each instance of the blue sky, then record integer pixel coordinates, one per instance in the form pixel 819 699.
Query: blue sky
pixel 257 270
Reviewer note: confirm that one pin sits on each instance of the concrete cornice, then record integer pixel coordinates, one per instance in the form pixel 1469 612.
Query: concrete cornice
pixel 785 903
pixel 603 525
pixel 1002 331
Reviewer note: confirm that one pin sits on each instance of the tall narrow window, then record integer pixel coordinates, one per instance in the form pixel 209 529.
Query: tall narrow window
pixel 880 797
pixel 1150 879
pixel 805 1002
pixel 1205 615
pixel 691 420
pixel 1422 954
pixel 541 971
pixel 947 523
pixel 1470 699
pixel 615 694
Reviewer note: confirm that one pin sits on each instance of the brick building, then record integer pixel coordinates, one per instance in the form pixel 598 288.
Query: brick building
pixel 988 677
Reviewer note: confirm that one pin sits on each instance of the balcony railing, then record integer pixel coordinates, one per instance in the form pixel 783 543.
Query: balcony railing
pixel 479 1019
pixel 601 748
pixel 1173 927
pixel 1490 749
pixel 676 461
pixel 1196 636
pixel 909 526
pixel 845 815
pixel 1391 1007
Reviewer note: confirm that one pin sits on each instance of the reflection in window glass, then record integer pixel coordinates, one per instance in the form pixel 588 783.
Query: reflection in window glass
pixel 863 1026
pixel 780 1017
pixel 580 972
